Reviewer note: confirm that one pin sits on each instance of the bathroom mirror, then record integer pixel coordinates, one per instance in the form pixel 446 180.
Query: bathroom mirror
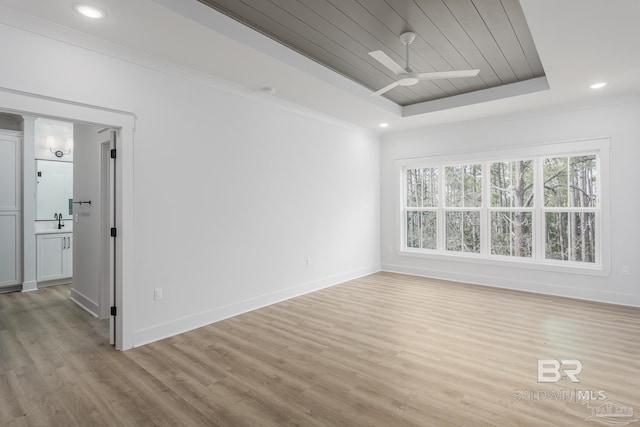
pixel 54 189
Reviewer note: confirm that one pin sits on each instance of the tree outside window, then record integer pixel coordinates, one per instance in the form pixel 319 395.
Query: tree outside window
pixel 421 201
pixel 512 199
pixel 463 198
pixel 541 209
pixel 570 198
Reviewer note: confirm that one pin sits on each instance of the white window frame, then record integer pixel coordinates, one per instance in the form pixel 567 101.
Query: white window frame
pixel 598 146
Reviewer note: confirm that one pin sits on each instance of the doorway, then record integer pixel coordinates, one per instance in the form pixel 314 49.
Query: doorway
pixel 31 106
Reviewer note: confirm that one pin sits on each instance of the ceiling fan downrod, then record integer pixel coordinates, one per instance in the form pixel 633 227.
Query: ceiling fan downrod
pixel 407 38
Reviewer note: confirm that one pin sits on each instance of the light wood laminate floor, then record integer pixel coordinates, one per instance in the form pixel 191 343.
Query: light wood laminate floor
pixel 384 350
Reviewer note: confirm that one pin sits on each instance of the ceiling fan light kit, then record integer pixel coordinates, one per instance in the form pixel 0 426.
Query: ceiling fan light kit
pixel 406 76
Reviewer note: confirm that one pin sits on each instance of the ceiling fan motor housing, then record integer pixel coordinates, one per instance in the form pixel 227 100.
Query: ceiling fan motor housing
pixel 407 79
pixel 407 37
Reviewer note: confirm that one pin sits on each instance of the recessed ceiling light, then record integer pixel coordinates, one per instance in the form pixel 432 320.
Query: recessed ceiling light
pixel 598 85
pixel 384 125
pixel 89 11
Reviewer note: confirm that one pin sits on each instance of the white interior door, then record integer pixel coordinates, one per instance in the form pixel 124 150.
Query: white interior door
pixel 108 220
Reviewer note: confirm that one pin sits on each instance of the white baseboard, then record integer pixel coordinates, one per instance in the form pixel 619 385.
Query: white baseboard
pixel 29 286
pixel 86 303
pixel 188 323
pixel 55 282
pixel 519 285
pixel 10 288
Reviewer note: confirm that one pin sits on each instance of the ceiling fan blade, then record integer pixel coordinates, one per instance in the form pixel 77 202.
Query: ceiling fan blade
pixel 385 89
pixel 384 59
pixel 448 74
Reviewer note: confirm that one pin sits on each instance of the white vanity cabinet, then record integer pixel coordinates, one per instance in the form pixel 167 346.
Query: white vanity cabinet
pixel 54 256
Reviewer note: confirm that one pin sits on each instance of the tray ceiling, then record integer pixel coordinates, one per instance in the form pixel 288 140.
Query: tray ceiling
pixel 489 35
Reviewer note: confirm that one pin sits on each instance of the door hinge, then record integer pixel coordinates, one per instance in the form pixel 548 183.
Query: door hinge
pixel 114 311
pixel 113 232
pixel 113 153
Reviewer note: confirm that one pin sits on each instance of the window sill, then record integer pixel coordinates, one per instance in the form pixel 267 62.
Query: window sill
pixel 558 266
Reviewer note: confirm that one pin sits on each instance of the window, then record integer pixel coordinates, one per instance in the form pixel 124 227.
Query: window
pixel 534 208
pixel 570 205
pixel 463 199
pixel 422 203
pixel 511 212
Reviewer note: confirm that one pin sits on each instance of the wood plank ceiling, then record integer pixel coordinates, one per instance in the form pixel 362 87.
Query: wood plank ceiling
pixel 489 35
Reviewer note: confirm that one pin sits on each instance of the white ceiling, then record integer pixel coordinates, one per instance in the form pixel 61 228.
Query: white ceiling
pixel 579 42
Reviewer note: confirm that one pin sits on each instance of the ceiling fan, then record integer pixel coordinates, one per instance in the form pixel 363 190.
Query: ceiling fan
pixel 406 76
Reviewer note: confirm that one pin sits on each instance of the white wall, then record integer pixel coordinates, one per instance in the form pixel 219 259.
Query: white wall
pixel 231 195
pixel 615 118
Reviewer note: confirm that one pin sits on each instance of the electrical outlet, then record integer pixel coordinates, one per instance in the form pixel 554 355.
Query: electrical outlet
pixel 308 262
pixel 625 270
pixel 157 294
pixel 77 217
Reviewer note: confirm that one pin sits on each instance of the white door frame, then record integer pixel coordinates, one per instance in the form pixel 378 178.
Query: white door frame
pixel 43 106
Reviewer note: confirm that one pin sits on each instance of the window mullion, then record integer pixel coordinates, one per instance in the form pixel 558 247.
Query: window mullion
pixel 404 208
pixel 539 223
pixel 570 220
pixel 598 211
pixel 485 217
